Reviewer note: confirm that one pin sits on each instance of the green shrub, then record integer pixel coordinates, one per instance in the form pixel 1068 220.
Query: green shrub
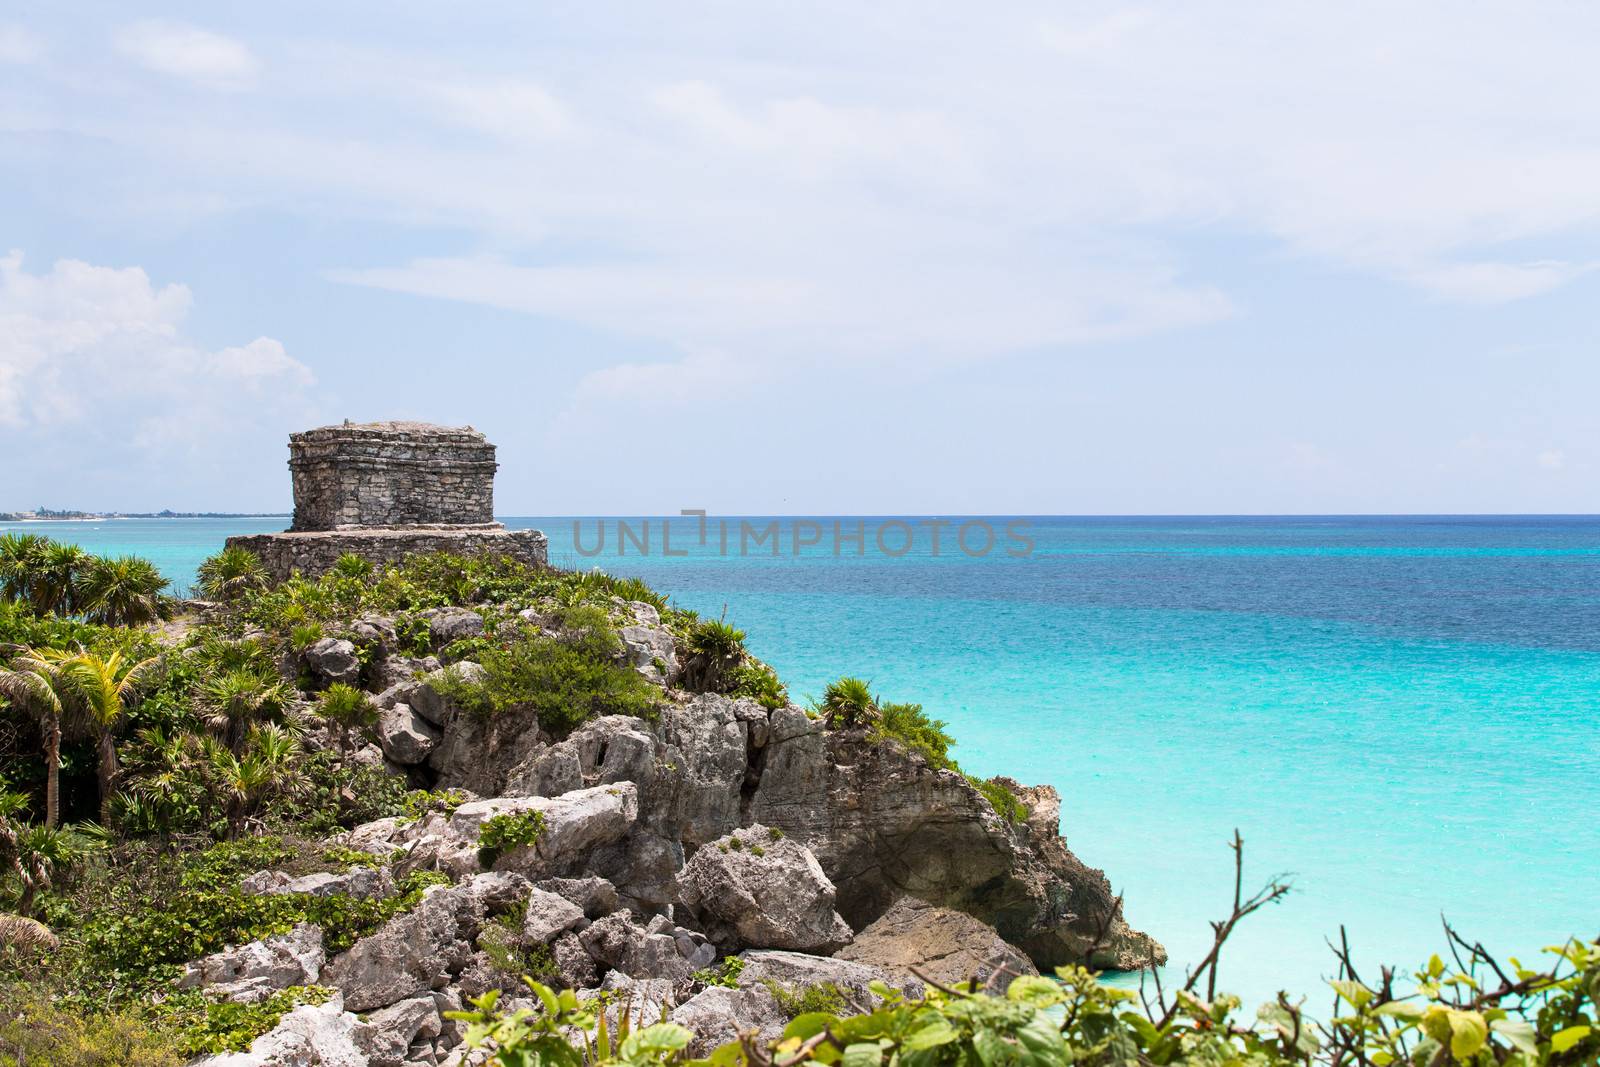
pixel 848 703
pixel 562 681
pixel 507 831
pixel 201 1025
pixel 1004 801
pixel 795 1001
pixel 760 683
pixel 713 652
pixel 36 1031
pixel 724 973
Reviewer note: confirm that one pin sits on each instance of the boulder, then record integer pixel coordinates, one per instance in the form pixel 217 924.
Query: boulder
pixel 333 659
pixel 646 1001
pixel 419 951
pixel 796 971
pixel 356 882
pixel 758 889
pixel 374 633
pixel 427 697
pixel 452 624
pixel 618 942
pixel 651 650
pixel 950 947
pixel 391 1033
pixel 252 971
pixel 312 1035
pixel 548 916
pixel 574 826
pixel 406 737
pixel 719 1015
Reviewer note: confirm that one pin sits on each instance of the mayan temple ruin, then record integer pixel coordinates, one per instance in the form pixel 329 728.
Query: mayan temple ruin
pixel 386 490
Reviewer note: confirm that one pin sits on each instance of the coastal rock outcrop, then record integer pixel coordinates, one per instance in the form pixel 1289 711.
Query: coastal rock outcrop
pixel 252 971
pixel 947 946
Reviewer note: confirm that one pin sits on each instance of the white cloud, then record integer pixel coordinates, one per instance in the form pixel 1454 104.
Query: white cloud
pixel 1495 283
pixel 190 53
pixel 513 110
pixel 99 353
pixel 18 45
pixel 1552 459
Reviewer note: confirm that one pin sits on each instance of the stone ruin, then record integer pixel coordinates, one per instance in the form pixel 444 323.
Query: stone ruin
pixel 385 491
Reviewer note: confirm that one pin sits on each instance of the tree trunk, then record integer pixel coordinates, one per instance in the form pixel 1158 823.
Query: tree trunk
pixel 52 773
pixel 108 775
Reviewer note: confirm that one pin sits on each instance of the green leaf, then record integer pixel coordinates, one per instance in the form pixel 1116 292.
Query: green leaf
pixel 1354 992
pixel 929 1032
pixel 1562 1040
pixel 1519 1032
pixel 1400 1009
pixel 862 1054
pixel 1468 1032
pixel 808 1025
pixel 1036 990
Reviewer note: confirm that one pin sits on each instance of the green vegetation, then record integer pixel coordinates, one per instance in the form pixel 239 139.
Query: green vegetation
pixel 795 1001
pixel 724 973
pixel 502 833
pixel 349 711
pixel 231 574
pixel 201 1025
pixel 64 580
pixel 850 702
pixel 36 1030
pixel 562 682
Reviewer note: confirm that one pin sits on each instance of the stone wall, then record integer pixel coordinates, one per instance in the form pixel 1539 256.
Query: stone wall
pixel 313 552
pixel 391 474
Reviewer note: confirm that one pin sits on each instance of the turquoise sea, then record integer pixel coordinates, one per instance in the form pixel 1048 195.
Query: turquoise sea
pixel 1404 713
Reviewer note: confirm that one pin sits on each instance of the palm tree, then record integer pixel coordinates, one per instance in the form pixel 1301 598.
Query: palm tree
pixel 20 556
pixel 346 708
pixel 236 698
pixel 714 648
pixel 124 591
pixel 55 573
pixel 37 683
pixel 231 573
pixel 268 769
pixel 848 701
pixel 104 687
pixel 35 853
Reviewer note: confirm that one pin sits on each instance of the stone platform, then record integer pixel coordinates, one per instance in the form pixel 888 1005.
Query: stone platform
pixel 313 552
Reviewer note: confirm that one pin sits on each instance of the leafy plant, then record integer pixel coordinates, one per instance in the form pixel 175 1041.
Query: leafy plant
pixel 506 831
pixel 124 591
pixel 849 702
pixel 724 973
pixel 713 650
pixel 230 574
pixel 348 710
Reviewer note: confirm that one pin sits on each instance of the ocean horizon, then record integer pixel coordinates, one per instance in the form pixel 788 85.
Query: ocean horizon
pixel 1399 711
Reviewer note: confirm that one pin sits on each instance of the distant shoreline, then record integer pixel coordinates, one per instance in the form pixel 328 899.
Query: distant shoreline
pixel 85 516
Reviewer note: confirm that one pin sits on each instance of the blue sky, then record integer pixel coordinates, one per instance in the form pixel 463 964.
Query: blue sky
pixel 822 258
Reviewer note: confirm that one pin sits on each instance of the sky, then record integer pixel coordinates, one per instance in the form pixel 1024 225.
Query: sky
pixel 1068 258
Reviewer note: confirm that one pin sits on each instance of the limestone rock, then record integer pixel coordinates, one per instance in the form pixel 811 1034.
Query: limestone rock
pixel 391 1033
pixel 621 944
pixel 419 951
pixel 719 1015
pixel 573 962
pixel 356 882
pixel 452 624
pixel 549 916
pixel 333 659
pixel 650 650
pixel 755 889
pixel 797 970
pixel 885 824
pixel 593 896
pixel 948 946
pixel 428 699
pixel 406 737
pixel 252 971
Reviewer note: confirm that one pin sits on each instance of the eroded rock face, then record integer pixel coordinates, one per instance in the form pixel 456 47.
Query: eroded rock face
pixel 884 824
pixel 797 970
pixel 757 889
pixel 452 624
pixel 421 950
pixel 406 737
pixel 618 942
pixel 948 946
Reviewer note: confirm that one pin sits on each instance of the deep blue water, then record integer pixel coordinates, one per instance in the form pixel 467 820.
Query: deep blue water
pixel 1403 712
